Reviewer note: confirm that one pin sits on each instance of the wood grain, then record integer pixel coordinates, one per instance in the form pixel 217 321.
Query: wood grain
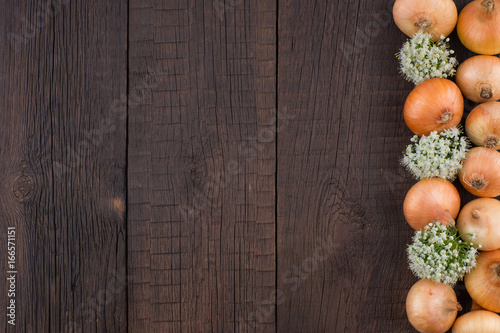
pixel 201 230
pixel 340 230
pixel 63 164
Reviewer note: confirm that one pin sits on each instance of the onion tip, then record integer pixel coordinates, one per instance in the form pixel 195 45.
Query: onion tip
pixel 478 183
pixel 486 91
pixel 446 116
pixel 424 24
pixel 491 141
pixel 489 5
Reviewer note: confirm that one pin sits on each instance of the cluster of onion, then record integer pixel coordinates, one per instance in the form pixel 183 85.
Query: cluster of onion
pixel 479 80
pixel 481 217
pixel 435 105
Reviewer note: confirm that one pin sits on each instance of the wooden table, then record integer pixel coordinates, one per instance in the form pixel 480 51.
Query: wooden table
pixel 204 166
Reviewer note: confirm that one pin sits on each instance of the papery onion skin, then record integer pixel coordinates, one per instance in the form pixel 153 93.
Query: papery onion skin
pixel 477 321
pixel 429 200
pixel 481 217
pixel 478 26
pixel 434 105
pixel 480 173
pixel 483 125
pixel 431 307
pixel 483 282
pixel 434 17
pixel 479 78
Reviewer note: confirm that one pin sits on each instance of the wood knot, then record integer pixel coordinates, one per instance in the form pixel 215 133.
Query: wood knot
pixel 23 186
pixel 118 206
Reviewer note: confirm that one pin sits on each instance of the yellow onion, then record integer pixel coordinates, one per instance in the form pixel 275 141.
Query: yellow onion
pixel 433 105
pixel 437 17
pixel 480 321
pixel 479 78
pixel 478 26
pixel 483 282
pixel 483 125
pixel 480 173
pixel 481 217
pixel 431 307
pixel 430 200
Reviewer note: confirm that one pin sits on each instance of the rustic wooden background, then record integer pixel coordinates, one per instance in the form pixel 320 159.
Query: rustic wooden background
pixel 204 166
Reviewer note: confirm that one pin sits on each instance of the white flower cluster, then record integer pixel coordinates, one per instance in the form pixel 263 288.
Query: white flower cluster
pixel 437 253
pixel 421 58
pixel 436 155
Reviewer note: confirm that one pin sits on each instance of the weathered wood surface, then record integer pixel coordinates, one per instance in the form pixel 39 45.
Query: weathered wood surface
pixel 205 166
pixel 341 232
pixel 63 164
pixel 201 229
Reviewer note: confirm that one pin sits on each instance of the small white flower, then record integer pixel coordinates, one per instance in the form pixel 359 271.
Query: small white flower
pixel 436 155
pixel 438 254
pixel 421 58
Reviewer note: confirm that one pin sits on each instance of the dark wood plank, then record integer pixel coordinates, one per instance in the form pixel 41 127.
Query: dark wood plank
pixel 201 228
pixel 63 164
pixel 340 228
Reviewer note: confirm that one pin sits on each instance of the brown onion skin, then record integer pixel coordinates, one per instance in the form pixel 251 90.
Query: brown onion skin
pixel 482 218
pixel 431 307
pixel 479 321
pixel 434 17
pixel 434 105
pixel 479 78
pixel 430 200
pixel 483 282
pixel 479 29
pixel 483 125
pixel 480 173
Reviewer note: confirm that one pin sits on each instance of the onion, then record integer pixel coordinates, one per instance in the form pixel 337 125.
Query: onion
pixel 483 125
pixel 480 173
pixel 434 105
pixel 477 321
pixel 481 217
pixel 431 307
pixel 483 282
pixel 479 78
pixel 434 17
pixel 478 26
pixel 429 200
